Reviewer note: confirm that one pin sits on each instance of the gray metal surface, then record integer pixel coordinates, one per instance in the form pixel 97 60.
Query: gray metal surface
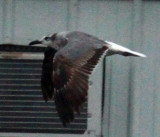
pixel 132 84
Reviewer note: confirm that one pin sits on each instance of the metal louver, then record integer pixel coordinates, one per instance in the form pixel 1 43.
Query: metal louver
pixel 22 108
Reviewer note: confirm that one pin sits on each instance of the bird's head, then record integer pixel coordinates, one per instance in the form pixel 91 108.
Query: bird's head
pixel 54 41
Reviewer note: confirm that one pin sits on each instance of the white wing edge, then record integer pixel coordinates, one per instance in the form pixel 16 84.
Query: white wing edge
pixel 118 49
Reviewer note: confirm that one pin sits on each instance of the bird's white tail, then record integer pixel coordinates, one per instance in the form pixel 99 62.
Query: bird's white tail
pixel 118 49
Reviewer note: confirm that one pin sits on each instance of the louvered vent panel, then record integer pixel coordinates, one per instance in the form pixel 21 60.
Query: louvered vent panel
pixel 22 108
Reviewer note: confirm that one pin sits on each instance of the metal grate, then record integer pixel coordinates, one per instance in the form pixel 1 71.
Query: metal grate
pixel 22 108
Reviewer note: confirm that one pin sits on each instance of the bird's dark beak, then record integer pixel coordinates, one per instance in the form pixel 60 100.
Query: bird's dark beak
pixel 35 42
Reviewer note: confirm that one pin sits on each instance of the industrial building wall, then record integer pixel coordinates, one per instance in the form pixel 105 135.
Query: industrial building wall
pixel 132 96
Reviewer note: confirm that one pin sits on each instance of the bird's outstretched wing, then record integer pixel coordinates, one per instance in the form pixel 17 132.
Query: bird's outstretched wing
pixel 70 78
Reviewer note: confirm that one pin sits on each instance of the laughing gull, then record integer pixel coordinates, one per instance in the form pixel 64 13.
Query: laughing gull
pixel 67 68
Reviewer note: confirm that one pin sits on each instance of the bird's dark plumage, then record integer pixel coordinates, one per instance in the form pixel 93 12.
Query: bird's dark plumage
pixel 47 84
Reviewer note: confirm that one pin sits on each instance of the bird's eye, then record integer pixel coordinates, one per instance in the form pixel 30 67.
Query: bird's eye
pixel 47 38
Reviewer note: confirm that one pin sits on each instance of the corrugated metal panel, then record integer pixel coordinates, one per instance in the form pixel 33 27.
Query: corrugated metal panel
pixel 1 15
pixel 22 108
pixel 146 102
pixel 36 18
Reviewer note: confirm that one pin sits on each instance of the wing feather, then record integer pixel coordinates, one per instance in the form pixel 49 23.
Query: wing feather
pixel 73 87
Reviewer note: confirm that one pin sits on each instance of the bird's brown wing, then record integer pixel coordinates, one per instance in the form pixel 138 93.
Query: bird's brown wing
pixel 71 82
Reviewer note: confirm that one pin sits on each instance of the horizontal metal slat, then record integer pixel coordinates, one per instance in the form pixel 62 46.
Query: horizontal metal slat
pixel 20 87
pixel 21 92
pixel 20 65
pixel 40 123
pixel 38 119
pixel 51 114
pixel 13 79
pixel 24 98
pixel 10 103
pixel 20 95
pixel 20 75
pixel 25 119
pixel 27 82
pixel 23 103
pixel 21 55
pixel 17 84
pixel 20 70
pixel 23 61
pixel 31 108
pixel 22 108
pixel 42 130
